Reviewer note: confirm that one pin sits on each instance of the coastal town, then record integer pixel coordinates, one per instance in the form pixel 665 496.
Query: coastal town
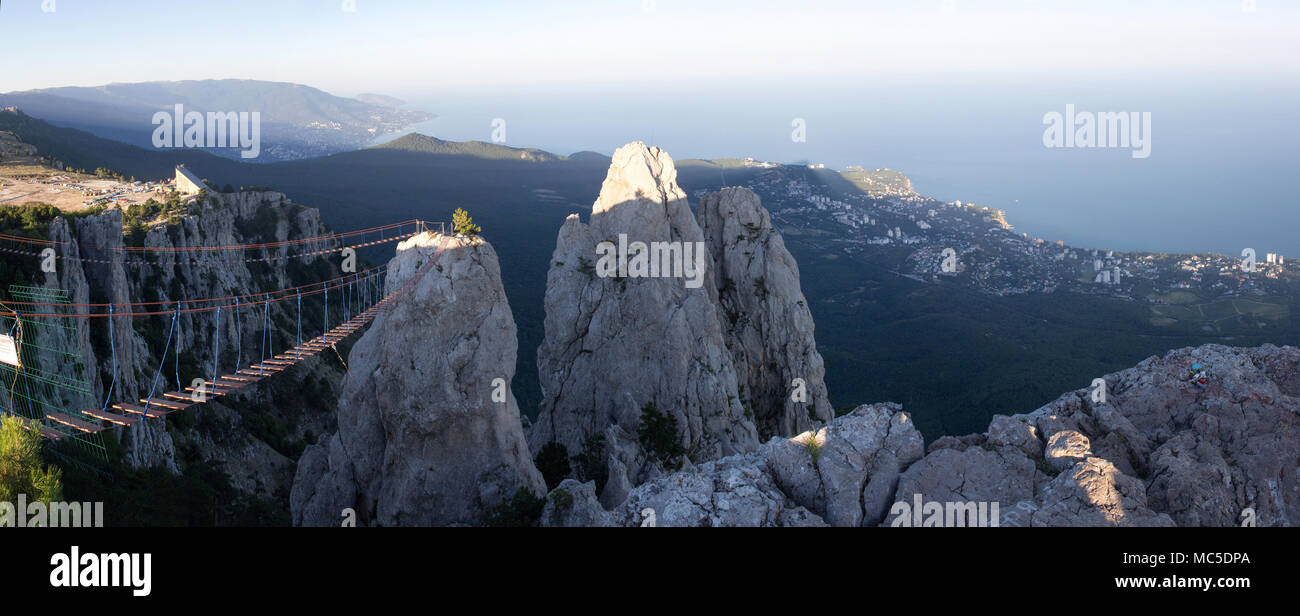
pixel 932 241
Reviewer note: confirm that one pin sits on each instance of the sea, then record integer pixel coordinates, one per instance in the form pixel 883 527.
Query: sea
pixel 1220 175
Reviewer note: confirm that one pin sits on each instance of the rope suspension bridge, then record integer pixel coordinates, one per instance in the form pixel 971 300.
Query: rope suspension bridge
pixel 47 385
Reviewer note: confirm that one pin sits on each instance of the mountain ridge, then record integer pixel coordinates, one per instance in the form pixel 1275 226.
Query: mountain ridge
pixel 298 121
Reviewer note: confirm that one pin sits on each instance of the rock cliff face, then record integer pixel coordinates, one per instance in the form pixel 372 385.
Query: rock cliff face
pixel 429 431
pixel 1157 451
pixel 769 328
pixel 723 346
pixel 91 268
pixel 617 345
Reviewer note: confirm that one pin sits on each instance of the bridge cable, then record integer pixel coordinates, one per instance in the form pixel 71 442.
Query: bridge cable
pixel 162 363
pixel 239 338
pixel 261 368
pixel 216 349
pixel 113 348
pixel 176 354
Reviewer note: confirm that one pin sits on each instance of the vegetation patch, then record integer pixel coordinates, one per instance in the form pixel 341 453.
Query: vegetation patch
pixel 658 436
pixel 523 509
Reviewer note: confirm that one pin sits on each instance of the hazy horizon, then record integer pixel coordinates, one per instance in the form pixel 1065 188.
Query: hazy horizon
pixel 953 94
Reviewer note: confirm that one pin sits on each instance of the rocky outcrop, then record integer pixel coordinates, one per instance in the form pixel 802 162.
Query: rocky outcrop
pixel 428 429
pixel 1156 451
pixel 844 474
pixel 768 326
pixel 621 346
pixel 92 268
pixel 848 475
pixel 574 504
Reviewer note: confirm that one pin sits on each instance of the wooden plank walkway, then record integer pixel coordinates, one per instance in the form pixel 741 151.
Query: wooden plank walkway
pixel 59 425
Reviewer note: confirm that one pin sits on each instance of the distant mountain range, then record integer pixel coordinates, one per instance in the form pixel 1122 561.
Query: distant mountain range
pixel 296 121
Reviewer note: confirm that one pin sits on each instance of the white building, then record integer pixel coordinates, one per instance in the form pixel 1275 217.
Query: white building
pixel 186 182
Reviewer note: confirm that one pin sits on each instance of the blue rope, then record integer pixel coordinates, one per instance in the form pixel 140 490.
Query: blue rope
pixel 162 363
pixel 177 353
pixel 299 319
pixel 112 346
pixel 261 367
pixel 270 339
pixel 327 309
pixel 216 348
pixel 239 339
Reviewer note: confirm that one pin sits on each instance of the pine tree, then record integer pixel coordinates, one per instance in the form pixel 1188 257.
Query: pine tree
pixel 463 224
pixel 22 471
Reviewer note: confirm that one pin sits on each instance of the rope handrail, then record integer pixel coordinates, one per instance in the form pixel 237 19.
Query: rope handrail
pixel 318 238
pixel 211 261
pixel 289 290
pixel 238 304
pixel 29 240
pixel 418 223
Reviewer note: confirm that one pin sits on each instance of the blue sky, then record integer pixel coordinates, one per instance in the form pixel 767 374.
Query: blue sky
pixel 402 47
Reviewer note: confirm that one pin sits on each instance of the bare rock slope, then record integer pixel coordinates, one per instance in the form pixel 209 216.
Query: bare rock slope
pixel 1156 451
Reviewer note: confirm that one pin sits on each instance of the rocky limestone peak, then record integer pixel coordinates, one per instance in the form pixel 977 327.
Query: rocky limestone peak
pixel 429 432
pixel 621 347
pixel 768 324
pixel 638 172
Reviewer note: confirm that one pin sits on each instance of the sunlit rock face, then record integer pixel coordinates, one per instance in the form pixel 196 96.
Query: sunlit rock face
pixel 617 343
pixel 429 431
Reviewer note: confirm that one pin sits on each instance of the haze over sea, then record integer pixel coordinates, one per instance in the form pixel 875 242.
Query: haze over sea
pixel 951 93
pixel 1221 175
